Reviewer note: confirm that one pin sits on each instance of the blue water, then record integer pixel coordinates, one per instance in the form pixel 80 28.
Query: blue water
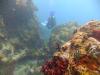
pixel 69 10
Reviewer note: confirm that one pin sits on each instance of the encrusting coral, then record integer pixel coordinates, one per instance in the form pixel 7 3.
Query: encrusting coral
pixel 80 55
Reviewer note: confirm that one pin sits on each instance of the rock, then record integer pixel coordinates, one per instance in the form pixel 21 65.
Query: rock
pixel 81 52
pixel 19 30
pixel 61 34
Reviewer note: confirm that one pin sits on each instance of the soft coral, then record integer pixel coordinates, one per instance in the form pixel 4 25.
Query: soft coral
pixel 56 66
pixel 96 34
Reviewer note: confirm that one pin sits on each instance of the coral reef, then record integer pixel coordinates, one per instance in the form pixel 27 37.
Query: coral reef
pixel 57 66
pixel 81 53
pixel 19 32
pixel 60 34
pixel 20 23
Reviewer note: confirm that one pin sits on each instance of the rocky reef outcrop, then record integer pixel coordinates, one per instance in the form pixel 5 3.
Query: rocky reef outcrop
pixel 61 34
pixel 80 55
pixel 20 23
pixel 19 31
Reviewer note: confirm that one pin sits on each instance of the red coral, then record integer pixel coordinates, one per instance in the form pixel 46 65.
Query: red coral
pixel 96 34
pixel 56 66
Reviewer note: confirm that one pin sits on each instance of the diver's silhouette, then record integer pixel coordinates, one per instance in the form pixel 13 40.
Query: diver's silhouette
pixel 51 21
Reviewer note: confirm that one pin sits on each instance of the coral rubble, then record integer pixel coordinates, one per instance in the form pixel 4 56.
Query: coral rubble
pixel 80 55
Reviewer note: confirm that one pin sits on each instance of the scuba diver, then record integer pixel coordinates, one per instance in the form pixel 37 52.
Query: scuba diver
pixel 51 21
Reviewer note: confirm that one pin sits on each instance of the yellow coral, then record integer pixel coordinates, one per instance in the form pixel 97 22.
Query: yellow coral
pixel 89 73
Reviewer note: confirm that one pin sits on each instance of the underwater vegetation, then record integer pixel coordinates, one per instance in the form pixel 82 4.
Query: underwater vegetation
pixel 79 56
pixel 19 33
pixel 57 66
pixel 25 44
pixel 60 34
pixel 20 23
